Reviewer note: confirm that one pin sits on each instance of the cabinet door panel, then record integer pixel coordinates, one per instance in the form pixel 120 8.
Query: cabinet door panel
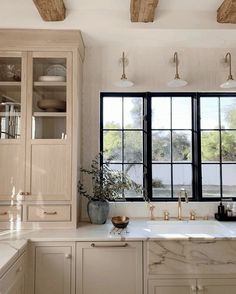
pixel 11 170
pixel 180 286
pixel 106 270
pixel 50 172
pixel 13 282
pixel 216 286
pixel 53 270
pixel 17 287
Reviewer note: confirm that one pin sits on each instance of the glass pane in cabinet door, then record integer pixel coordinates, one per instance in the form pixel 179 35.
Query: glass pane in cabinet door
pixel 10 97
pixel 49 105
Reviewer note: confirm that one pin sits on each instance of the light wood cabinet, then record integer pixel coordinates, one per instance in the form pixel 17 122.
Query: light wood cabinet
pixel 54 269
pixel 40 88
pixel 109 268
pixel 13 282
pixel 12 123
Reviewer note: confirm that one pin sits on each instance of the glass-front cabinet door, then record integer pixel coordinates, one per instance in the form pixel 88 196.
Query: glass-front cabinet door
pixel 12 124
pixel 49 137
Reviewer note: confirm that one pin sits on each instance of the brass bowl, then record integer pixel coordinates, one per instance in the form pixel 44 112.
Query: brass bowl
pixel 120 222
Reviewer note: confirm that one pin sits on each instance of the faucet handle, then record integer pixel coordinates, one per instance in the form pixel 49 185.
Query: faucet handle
pixel 186 196
pixel 192 215
pixel 151 208
pixel 166 215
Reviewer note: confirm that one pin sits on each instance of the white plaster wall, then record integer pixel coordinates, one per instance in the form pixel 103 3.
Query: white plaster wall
pixel 150 69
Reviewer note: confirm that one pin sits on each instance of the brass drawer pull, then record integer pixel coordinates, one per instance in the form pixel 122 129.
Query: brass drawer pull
pixel 24 193
pixel 50 213
pixel 109 246
pixel 4 213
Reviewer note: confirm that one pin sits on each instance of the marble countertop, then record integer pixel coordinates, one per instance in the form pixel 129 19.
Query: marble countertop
pixel 13 243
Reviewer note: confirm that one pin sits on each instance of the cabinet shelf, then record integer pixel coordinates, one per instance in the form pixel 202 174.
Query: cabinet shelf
pixel 10 84
pixel 10 114
pixel 49 114
pixel 50 84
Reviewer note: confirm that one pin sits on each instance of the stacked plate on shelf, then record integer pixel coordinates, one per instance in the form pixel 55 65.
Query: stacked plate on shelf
pixel 54 73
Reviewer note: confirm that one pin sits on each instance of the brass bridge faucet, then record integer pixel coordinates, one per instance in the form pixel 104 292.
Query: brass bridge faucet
pixel 180 202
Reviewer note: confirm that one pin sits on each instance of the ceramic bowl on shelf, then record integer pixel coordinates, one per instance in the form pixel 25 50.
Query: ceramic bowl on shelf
pixel 51 79
pixel 56 70
pixel 120 222
pixel 52 105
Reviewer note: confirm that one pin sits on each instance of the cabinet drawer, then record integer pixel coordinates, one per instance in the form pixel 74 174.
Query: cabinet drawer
pixel 10 213
pixel 49 213
pixel 15 273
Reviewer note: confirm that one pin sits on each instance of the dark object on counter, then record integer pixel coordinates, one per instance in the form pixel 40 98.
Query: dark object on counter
pixel 98 211
pixel 120 222
pixel 225 218
pixel 221 209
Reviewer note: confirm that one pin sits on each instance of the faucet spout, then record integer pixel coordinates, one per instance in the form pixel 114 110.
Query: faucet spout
pixel 180 202
pixel 179 206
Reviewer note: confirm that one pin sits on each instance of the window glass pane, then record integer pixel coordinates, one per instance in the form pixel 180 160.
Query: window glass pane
pixel 181 113
pixel 112 142
pixel 211 180
pixel 161 180
pixel 112 113
pixel 182 178
pixel 161 113
pixel 133 113
pixel 210 146
pixel 116 167
pixel 48 127
pixel 133 146
pixel 228 180
pixel 135 172
pixel 209 113
pixel 10 98
pixel 161 146
pixel 182 146
pixel 228 112
pixel 228 145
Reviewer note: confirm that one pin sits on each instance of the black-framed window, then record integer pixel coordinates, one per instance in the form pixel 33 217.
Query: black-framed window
pixel 170 141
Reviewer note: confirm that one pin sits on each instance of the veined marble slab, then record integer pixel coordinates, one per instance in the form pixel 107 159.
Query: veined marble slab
pixel 191 257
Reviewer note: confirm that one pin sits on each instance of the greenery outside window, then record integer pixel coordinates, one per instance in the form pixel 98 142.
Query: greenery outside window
pixel 170 141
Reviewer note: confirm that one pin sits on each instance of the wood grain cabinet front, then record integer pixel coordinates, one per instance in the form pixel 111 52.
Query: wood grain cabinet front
pixel 10 213
pixel 49 213
pixel 40 92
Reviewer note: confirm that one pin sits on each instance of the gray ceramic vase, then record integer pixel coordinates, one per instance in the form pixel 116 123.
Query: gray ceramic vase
pixel 98 211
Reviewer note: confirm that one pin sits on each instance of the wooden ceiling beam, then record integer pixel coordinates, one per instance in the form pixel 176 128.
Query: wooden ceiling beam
pixel 226 13
pixel 51 10
pixel 143 10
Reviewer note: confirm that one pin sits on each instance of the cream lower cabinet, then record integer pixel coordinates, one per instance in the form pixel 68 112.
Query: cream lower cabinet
pixel 54 269
pixel 192 286
pixel 216 286
pixel 172 286
pixel 13 282
pixel 109 268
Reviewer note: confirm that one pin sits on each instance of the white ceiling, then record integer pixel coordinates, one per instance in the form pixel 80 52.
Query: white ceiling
pixel 178 23
pixel 196 5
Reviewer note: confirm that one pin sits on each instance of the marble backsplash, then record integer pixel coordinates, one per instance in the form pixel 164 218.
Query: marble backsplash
pixel 141 209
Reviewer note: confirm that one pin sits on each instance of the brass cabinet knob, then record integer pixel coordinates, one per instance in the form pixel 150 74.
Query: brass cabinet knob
pixel 194 288
pixel 4 213
pixel 68 256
